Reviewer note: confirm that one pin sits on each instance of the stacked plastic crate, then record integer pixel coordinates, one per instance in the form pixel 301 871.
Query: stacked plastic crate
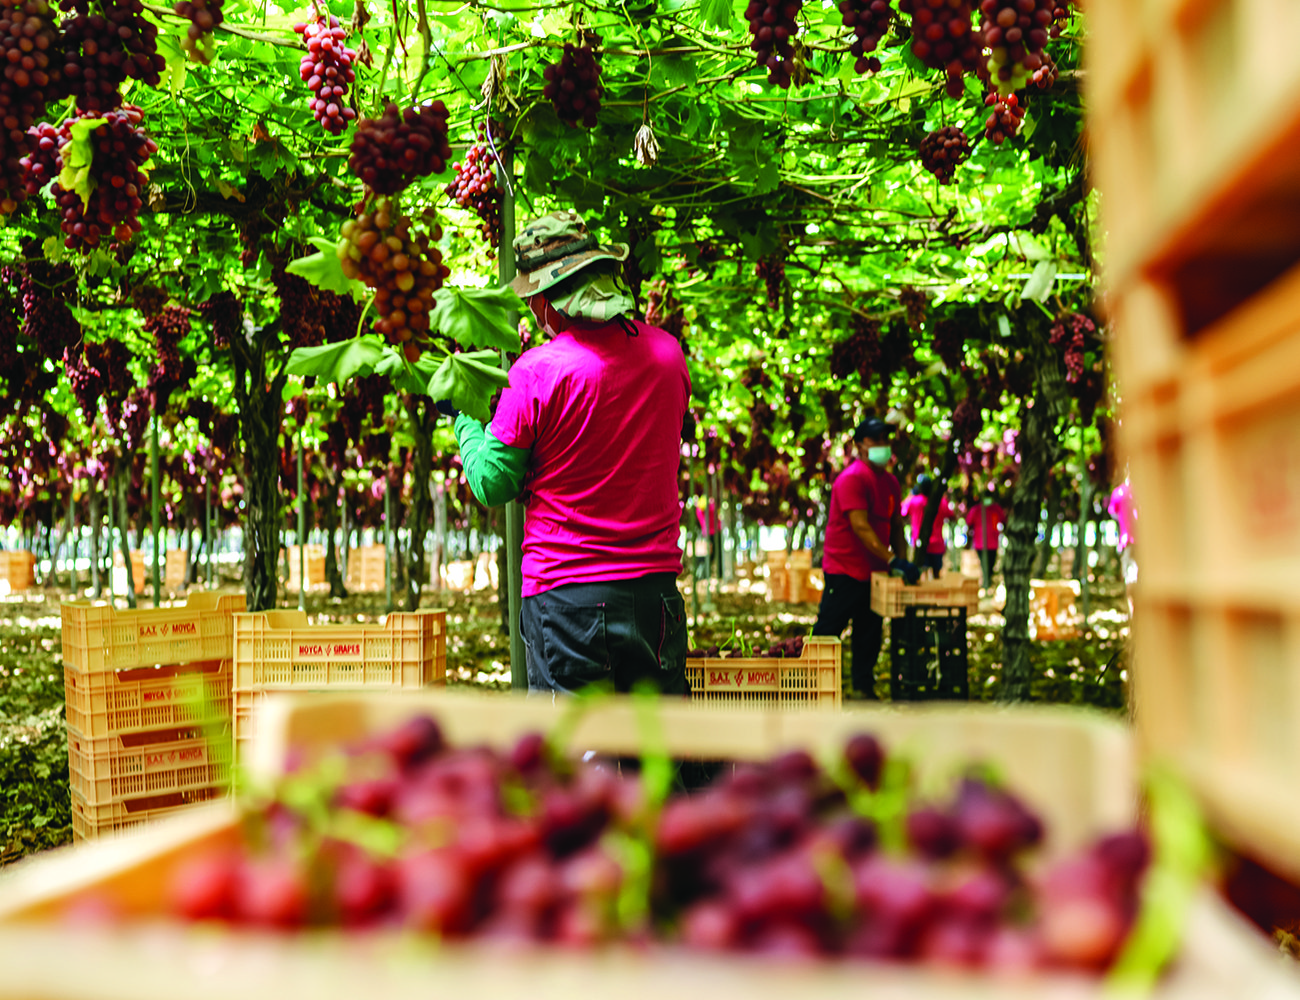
pixel 367 568
pixel 148 709
pixel 281 651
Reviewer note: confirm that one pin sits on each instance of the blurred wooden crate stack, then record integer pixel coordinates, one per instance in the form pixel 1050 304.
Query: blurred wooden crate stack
pixel 176 567
pixel 367 569
pixel 1195 143
pixel 279 651
pixel 792 579
pixel 811 680
pixel 147 696
pixel 315 567
pixel 1053 613
pixel 17 569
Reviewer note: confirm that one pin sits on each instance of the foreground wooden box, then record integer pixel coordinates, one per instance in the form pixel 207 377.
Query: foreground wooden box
pixel 1075 768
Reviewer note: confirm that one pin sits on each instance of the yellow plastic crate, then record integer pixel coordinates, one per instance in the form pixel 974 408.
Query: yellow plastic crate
pixel 98 637
pixel 282 650
pixel 808 681
pixel 891 597
pixel 129 701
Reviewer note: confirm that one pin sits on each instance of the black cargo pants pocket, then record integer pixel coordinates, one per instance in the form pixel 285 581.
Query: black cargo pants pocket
pixel 672 632
pixel 575 644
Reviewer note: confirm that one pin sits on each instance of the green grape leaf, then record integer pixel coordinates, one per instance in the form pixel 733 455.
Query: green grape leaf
pixel 405 376
pixel 339 362
pixel 469 380
pixel 78 154
pixel 716 14
pixel 477 317
pixel 323 270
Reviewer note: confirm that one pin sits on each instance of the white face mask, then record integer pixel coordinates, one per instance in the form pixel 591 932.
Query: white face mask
pixel 879 455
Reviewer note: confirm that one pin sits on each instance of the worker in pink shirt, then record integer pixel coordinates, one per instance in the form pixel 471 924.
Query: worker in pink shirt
pixel 985 519
pixel 588 436
pixel 914 509
pixel 864 535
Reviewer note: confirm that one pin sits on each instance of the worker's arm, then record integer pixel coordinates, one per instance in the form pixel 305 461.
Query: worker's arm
pixel 898 537
pixel 861 526
pixel 495 471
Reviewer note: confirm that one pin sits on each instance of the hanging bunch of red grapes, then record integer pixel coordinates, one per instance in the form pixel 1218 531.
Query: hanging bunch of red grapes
pixel 943 151
pixel 388 153
pixel 573 85
pixel 475 188
pixel 204 16
pixel 104 48
pixel 944 37
pixel 1005 119
pixel 772 26
pixel 1015 32
pixel 403 267
pixel 29 45
pixel 870 21
pixel 327 71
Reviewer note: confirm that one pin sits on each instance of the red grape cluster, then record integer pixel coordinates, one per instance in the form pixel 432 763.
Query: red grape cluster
pixel 42 162
pixel 43 289
pixel 943 151
pixel 1006 118
pixel 204 16
pixel 773 26
pixel 1046 75
pixel 967 421
pixel 859 352
pixel 86 381
pixel 664 311
pixel 870 21
pixel 475 188
pixel 519 848
pixel 226 314
pixel 772 270
pixel 102 51
pixel 29 53
pixel 327 71
pixel 404 269
pixel 121 150
pixel 944 37
pixel 916 304
pixel 1068 335
pixel 573 85
pixel 135 418
pixel 949 343
pixel 388 153
pixel 1015 33
pixel 782 648
pixel 311 316
pixel 168 328
pixel 110 358
pixel 1061 11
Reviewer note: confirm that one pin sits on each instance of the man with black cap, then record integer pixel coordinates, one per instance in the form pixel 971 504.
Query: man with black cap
pixel 588 436
pixel 864 535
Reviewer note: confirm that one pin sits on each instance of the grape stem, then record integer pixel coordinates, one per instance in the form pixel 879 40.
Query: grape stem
pixel 231 29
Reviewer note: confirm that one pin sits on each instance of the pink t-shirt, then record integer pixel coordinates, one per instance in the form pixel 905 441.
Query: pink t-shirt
pixel 859 487
pixel 914 508
pixel 602 414
pixel 976 518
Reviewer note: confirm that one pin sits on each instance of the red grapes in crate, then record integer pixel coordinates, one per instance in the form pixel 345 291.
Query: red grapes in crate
pixel 1015 33
pixel 573 85
pixel 204 16
pixel 121 148
pixel 943 151
pixel 403 267
pixel 944 37
pixel 870 21
pixel 771 858
pixel 103 50
pixel 388 153
pixel 475 188
pixel 1006 118
pixel 327 71
pixel 772 25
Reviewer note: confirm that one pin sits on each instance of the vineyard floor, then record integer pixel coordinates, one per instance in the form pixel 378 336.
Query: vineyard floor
pixel 34 805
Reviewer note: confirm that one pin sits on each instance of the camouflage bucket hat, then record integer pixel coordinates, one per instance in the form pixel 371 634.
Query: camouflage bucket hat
pixel 555 246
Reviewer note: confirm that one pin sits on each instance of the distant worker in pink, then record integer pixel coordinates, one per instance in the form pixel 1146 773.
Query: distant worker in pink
pixel 985 519
pixel 864 535
pixel 914 509
pixel 588 437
